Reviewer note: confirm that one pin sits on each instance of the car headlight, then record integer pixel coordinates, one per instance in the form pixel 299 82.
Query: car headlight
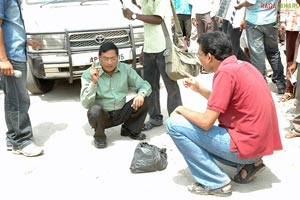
pixel 50 41
pixel 138 34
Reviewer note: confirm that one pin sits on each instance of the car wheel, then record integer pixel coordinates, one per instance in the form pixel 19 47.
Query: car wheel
pixel 36 85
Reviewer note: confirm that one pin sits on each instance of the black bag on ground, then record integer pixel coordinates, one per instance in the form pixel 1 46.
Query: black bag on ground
pixel 148 158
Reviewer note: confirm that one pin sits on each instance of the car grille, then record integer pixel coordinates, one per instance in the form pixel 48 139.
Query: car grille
pixel 88 39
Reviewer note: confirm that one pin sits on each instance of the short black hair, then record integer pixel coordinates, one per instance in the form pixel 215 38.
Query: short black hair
pixel 216 43
pixel 106 46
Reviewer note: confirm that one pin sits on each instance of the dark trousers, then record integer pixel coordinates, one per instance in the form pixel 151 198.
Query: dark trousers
pixel 186 26
pixel 154 67
pixel 131 119
pixel 206 24
pixel 234 35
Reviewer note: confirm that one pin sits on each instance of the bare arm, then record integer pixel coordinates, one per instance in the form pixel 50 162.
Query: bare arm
pixel 292 68
pixel 5 66
pixel 243 21
pixel 34 44
pixel 243 4
pixel 204 120
pixel 150 19
pixel 192 83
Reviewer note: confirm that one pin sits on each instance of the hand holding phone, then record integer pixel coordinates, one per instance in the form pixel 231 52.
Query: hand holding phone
pixel 95 72
pixel 17 73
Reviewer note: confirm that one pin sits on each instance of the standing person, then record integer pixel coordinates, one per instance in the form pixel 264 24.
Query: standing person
pixel 103 93
pixel 203 16
pixel 184 12
pixel 295 132
pixel 153 14
pixel 262 35
pixel 19 136
pixel 248 125
pixel 289 26
pixel 234 30
pixel 203 20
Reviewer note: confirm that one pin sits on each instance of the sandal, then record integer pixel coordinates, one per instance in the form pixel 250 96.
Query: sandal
pixel 286 96
pixel 252 172
pixel 197 188
pixel 292 135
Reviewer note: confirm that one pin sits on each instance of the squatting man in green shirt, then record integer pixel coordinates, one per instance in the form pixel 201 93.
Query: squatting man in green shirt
pixel 103 92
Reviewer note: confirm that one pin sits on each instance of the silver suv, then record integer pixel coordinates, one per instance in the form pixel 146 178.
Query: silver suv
pixel 71 32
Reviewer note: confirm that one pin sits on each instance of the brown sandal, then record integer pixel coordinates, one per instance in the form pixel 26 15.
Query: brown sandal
pixel 292 135
pixel 286 96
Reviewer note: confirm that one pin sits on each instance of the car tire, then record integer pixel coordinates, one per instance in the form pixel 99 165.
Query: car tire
pixel 36 85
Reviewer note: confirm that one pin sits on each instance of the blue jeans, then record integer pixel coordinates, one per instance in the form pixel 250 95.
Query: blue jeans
pixel 262 40
pixel 201 149
pixel 16 106
pixel 154 67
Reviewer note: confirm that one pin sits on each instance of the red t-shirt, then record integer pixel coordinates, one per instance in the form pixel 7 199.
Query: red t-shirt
pixel 242 96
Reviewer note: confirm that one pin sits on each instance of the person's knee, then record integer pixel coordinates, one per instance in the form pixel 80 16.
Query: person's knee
pixel 94 112
pixel 171 124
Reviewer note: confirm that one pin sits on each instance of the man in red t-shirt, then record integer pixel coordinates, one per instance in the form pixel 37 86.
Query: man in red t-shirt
pixel 248 126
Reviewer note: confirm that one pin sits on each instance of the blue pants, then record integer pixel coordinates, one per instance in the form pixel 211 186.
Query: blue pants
pixel 16 106
pixel 201 149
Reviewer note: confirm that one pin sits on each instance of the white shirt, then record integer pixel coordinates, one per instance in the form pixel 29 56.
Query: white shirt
pixel 201 7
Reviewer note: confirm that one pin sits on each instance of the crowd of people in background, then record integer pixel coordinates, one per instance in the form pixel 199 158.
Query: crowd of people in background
pixel 247 127
pixel 239 126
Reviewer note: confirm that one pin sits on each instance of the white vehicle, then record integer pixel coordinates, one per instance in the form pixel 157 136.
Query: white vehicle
pixel 71 32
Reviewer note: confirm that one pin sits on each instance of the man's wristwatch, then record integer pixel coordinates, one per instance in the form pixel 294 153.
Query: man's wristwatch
pixel 133 16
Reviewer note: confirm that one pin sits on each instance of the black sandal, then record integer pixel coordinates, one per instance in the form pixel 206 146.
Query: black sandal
pixel 252 172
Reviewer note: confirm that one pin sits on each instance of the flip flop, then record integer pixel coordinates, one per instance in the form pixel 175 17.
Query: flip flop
pixel 252 172
pixel 197 188
pixel 292 135
pixel 286 96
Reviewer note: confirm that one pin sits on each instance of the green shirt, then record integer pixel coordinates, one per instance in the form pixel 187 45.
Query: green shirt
pixel 154 39
pixel 110 91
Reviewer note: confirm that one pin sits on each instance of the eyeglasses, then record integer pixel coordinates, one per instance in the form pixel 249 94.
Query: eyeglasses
pixel 197 55
pixel 106 59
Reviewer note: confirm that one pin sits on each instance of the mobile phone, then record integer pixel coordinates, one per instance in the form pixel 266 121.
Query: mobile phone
pixel 17 73
pixel 97 64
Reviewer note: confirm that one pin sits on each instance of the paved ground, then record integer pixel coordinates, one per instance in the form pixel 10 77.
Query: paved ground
pixel 72 168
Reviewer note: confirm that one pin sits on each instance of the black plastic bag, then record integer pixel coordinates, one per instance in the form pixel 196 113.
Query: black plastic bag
pixel 148 158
